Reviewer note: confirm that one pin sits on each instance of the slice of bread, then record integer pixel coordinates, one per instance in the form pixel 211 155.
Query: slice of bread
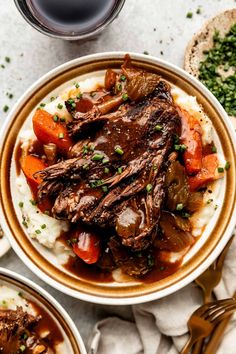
pixel 203 40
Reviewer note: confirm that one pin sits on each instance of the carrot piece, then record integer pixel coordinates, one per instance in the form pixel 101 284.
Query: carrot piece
pixel 87 247
pixel 207 174
pixel 30 165
pixel 191 137
pixel 49 131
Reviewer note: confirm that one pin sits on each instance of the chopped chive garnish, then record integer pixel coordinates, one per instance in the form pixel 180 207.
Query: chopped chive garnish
pixel 76 85
pixel 38 231
pixel 122 78
pixel 5 108
pixel 92 94
pixel 150 260
pixel 227 165
pixel 209 201
pixel 105 189
pixel 55 118
pixel 119 150
pixel 86 166
pixel 216 206
pixel 213 149
pixel 180 147
pixel 220 169
pixel 158 127
pixel 119 87
pixel 7 59
pixel 33 202
pixel 21 204
pixel 105 160
pixel 63 119
pixel 52 98
pixel 85 149
pixel 60 106
pixel 43 226
pixel 97 157
pixel 10 95
pixel 42 104
pixel 25 223
pixel 47 212
pixel 119 170
pixel 60 135
pixel 189 15
pixel 149 187
pixel 20 294
pixel 106 170
pixel 145 52
pixel 198 11
pixel 179 206
pixel 79 96
pixel 125 97
pixel 22 348
pixel 185 215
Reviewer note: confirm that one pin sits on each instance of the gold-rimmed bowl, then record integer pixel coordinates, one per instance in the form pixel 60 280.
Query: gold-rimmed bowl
pixel 206 249
pixel 71 340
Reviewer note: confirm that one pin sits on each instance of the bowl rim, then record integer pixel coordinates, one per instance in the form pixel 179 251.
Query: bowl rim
pixel 206 262
pixel 43 293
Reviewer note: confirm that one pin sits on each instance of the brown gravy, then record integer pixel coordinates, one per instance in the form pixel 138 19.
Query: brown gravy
pixel 47 324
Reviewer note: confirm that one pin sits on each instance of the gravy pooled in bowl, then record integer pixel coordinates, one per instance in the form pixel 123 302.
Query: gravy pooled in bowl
pixel 119 178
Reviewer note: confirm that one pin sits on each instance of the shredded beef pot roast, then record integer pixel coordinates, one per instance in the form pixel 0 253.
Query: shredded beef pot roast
pixel 114 176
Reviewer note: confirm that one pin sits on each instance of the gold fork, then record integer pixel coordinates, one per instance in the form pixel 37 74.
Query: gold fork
pixel 208 281
pixel 205 318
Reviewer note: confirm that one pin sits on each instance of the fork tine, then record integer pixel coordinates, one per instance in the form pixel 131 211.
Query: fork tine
pixel 223 312
pixel 214 312
pixel 205 310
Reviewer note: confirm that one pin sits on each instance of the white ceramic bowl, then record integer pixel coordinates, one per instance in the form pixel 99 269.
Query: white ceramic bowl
pixel 72 343
pixel 41 261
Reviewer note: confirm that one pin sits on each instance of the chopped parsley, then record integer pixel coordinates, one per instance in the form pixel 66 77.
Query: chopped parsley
pixel 7 59
pixel 60 106
pixel 5 108
pixel 179 206
pixel 119 150
pixel 125 97
pixel 189 15
pixel 217 70
pixel 227 165
pixel 158 127
pixel 97 157
pixel 220 169
pixel 149 187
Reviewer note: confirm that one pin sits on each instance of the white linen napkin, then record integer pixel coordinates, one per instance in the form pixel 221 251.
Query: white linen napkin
pixel 160 326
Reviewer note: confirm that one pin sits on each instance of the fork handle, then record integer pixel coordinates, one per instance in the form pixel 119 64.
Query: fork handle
pixel 198 347
pixel 217 336
pixel 188 346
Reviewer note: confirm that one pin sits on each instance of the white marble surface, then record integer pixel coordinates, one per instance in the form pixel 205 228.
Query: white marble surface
pixel 152 25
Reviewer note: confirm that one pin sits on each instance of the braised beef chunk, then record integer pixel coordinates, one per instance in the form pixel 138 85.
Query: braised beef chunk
pixel 17 333
pixel 132 263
